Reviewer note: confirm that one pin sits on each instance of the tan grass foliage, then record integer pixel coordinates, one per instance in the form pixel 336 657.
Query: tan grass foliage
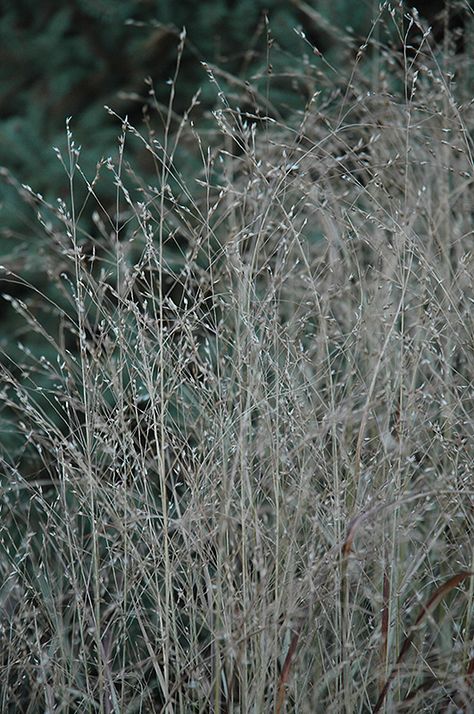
pixel 249 437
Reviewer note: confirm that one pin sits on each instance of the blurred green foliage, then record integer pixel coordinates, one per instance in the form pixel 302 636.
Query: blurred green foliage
pixel 71 59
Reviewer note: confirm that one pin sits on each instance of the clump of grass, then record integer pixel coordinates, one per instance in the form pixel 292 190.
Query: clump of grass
pixel 244 479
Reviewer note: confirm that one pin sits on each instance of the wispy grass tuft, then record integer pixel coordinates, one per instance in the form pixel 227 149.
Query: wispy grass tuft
pixel 241 476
